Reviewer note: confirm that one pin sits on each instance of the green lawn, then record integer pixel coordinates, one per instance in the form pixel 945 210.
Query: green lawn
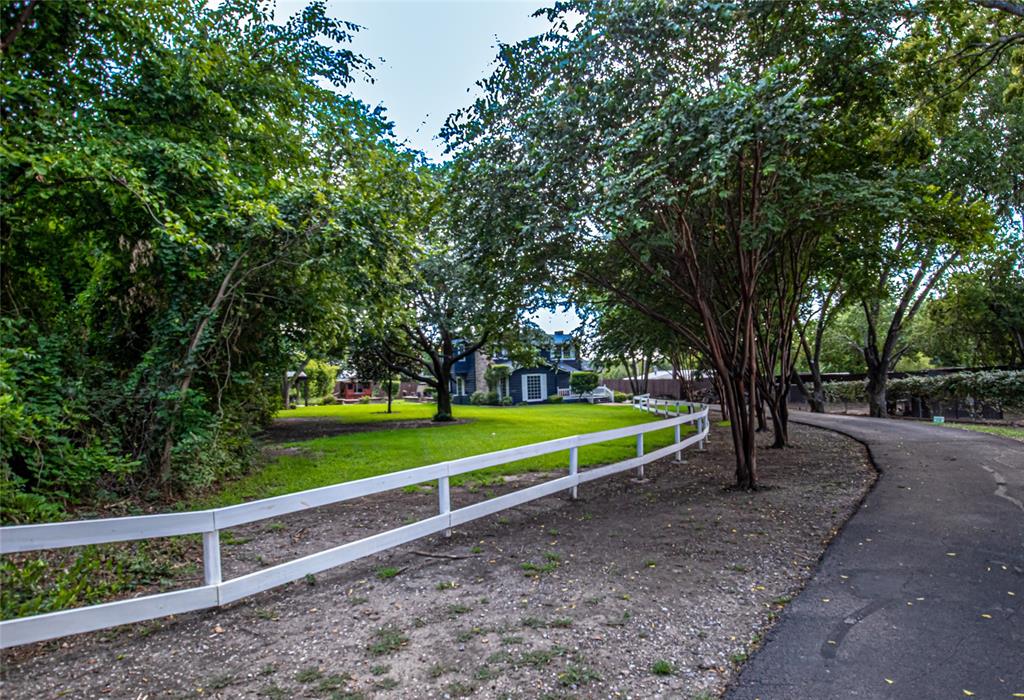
pixel 333 460
pixel 1004 430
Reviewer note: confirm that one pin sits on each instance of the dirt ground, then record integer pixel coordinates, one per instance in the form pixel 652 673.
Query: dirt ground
pixel 654 588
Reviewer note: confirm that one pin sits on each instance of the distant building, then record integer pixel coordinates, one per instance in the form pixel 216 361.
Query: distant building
pixel 525 384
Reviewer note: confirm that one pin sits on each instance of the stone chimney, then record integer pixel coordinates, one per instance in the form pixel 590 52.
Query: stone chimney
pixel 482 362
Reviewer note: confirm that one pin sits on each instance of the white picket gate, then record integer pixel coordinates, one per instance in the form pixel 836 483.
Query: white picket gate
pixel 209 523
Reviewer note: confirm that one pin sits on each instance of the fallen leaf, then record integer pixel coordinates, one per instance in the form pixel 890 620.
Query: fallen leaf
pixel 967 692
pixel 986 616
pixel 889 681
pixel 950 554
pixel 218 630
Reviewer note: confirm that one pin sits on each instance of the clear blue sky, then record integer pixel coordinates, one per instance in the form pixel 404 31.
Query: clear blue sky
pixel 429 54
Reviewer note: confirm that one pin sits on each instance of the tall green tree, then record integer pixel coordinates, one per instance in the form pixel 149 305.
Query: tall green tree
pixel 185 189
pixel 979 318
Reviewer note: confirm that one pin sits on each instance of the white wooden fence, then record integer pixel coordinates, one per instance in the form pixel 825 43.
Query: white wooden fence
pixel 209 523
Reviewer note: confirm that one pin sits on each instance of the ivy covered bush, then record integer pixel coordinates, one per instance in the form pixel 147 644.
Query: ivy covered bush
pixel 1000 387
pixel 175 234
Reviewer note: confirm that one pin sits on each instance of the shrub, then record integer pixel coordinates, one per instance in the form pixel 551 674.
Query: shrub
pixel 478 398
pixel 329 400
pixel 494 374
pixel 1002 387
pixel 621 397
pixel 506 401
pixel 321 377
pixel 582 382
pixel 364 399
pixel 554 398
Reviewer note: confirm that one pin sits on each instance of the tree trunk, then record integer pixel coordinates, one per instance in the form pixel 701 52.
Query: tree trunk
pixel 723 401
pixel 389 395
pixel 779 411
pixel 444 402
pixel 816 399
pixel 876 387
pixel 815 395
pixel 190 368
pixel 742 427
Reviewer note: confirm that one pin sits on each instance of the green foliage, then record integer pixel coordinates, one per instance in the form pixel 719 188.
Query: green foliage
pixel 621 397
pixel 481 398
pixel 494 375
pixel 554 398
pixel 1004 388
pixel 661 667
pixel 51 449
pixel 979 319
pixel 174 228
pixel 582 382
pixel 321 378
pixel 88 576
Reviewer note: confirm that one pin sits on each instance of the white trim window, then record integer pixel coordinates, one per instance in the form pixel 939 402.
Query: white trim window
pixel 460 386
pixel 535 387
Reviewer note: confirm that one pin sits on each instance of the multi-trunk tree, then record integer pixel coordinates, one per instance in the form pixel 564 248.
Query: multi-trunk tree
pixel 677 151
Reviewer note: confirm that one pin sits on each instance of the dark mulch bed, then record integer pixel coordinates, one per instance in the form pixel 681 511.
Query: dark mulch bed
pixel 295 429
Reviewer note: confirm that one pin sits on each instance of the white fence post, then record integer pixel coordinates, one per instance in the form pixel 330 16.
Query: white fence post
pixel 444 500
pixel 211 558
pixel 679 455
pixel 701 424
pixel 574 464
pixel 640 453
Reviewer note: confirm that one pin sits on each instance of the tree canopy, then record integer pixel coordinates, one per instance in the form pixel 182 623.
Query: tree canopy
pixel 188 194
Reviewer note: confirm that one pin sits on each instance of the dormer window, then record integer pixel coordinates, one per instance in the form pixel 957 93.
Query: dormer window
pixel 562 351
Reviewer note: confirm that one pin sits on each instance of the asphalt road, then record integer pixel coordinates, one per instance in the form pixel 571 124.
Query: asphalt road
pixel 921 595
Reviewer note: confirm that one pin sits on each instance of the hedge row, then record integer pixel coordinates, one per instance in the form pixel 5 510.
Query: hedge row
pixel 1005 388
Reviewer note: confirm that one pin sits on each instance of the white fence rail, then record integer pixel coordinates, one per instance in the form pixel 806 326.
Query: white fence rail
pixel 209 523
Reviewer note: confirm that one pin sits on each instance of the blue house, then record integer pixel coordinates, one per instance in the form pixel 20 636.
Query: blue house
pixel 559 359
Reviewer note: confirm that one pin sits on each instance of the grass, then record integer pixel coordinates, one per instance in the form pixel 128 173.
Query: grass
pixel 387 640
pixel 341 458
pixel 388 572
pixel 1003 430
pixel 577 675
pixel 661 667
